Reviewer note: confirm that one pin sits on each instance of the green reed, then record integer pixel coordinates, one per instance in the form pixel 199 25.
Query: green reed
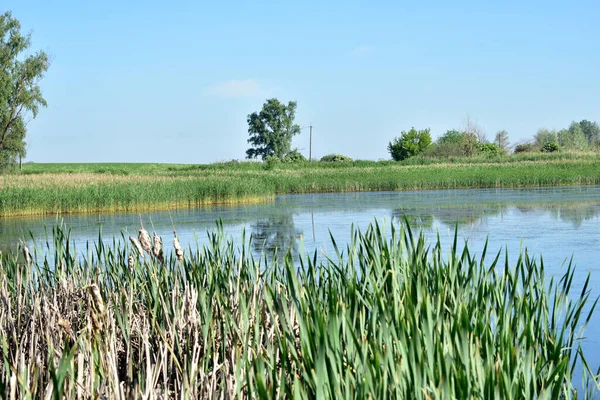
pixel 174 186
pixel 390 316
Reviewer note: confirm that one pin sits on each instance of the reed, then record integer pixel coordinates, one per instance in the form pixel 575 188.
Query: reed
pixel 388 317
pixel 250 182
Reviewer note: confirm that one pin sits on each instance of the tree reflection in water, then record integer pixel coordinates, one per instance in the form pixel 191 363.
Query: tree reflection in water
pixel 275 235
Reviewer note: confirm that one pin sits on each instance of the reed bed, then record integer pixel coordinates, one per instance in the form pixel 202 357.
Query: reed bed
pixel 187 188
pixel 389 317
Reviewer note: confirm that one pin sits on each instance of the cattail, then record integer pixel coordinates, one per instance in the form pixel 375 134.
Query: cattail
pixel 144 238
pixel 26 254
pixel 97 298
pixel 130 261
pixel 137 245
pixel 63 323
pixel 178 249
pixel 157 250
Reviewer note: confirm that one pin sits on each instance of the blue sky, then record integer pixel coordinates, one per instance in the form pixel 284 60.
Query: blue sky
pixel 157 81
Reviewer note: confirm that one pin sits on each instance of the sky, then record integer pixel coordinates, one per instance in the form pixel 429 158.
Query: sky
pixel 173 82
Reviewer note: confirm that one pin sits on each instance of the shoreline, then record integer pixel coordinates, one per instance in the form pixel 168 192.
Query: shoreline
pixel 96 193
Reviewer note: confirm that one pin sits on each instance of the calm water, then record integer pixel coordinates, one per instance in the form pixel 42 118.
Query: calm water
pixel 556 222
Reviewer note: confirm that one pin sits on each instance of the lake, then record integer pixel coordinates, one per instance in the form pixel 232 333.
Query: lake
pixel 558 223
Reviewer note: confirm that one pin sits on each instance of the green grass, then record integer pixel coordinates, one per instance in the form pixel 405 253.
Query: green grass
pixel 185 169
pixel 389 317
pixel 81 188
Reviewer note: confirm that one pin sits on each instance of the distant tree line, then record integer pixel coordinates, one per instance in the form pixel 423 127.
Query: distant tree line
pixel 582 136
pixel 472 142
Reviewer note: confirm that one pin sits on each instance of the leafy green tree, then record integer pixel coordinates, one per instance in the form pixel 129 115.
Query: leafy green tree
pixel 545 136
pixel 20 93
pixel 271 130
pixel 573 138
pixel 451 136
pixel 502 141
pixel 591 131
pixel 456 143
pixel 409 144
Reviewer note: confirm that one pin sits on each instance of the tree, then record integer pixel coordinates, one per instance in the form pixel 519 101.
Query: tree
pixel 20 93
pixel 572 138
pixel 591 131
pixel 409 144
pixel 502 141
pixel 472 128
pixel 455 143
pixel 451 136
pixel 271 130
pixel 544 137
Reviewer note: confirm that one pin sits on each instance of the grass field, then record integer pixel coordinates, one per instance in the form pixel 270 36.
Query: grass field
pixel 82 188
pixel 390 317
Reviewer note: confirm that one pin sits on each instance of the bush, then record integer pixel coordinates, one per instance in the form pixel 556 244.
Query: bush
pixel 524 148
pixel 271 162
pixel 454 143
pixel 489 149
pixel 335 158
pixel 294 156
pixel 409 144
pixel 550 147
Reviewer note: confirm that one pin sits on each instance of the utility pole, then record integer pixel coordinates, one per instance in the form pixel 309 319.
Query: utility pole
pixel 310 145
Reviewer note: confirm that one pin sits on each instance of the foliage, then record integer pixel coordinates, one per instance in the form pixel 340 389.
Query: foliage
pixel 294 156
pixel 591 131
pixel 550 147
pixel 409 144
pixel 488 149
pixel 335 158
pixel 545 136
pixel 502 141
pixel 20 93
pixel 271 130
pixel 451 136
pixel 572 138
pixel 526 147
pixel 454 143
pixel 81 188
pixel 391 317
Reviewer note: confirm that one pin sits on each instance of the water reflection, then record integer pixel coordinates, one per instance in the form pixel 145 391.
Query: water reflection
pixel 575 213
pixel 280 225
pixel 276 235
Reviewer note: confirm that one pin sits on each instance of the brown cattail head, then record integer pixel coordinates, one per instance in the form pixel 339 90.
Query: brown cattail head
pixel 137 245
pixel 26 254
pixel 157 250
pixel 130 261
pixel 144 238
pixel 63 323
pixel 97 298
pixel 178 249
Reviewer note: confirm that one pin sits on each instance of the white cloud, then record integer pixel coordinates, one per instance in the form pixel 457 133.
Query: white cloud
pixel 236 88
pixel 361 51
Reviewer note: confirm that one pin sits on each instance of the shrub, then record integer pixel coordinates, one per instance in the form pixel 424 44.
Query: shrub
pixel 489 149
pixel 294 156
pixel 335 158
pixel 271 162
pixel 409 144
pixel 550 147
pixel 526 147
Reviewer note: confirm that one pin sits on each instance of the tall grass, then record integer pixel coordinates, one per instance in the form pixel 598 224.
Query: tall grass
pixel 389 317
pixel 91 192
